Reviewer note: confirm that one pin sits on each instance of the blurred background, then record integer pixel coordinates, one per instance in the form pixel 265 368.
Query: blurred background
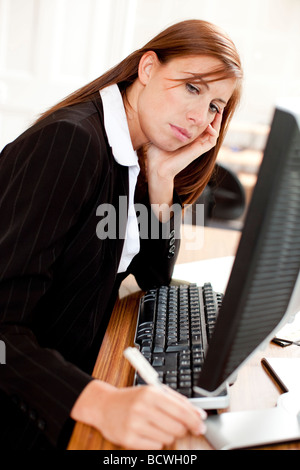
pixel 49 48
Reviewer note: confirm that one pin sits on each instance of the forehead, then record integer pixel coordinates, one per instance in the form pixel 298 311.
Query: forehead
pixel 192 67
pixel 194 64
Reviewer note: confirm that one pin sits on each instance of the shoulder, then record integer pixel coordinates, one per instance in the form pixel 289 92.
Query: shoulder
pixel 70 143
pixel 82 118
pixel 77 130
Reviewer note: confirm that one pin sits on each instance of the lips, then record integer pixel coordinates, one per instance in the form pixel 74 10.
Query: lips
pixel 181 133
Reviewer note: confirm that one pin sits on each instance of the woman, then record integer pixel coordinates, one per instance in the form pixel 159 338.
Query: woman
pixel 148 130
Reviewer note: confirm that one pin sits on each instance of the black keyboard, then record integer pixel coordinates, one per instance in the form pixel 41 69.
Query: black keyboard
pixel 175 324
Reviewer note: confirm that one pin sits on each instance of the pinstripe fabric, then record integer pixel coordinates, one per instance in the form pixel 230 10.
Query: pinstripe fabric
pixel 58 281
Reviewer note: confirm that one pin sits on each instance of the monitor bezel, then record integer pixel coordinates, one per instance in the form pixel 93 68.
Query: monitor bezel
pixel 280 136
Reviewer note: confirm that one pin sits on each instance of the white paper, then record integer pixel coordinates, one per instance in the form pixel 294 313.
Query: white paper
pixel 214 270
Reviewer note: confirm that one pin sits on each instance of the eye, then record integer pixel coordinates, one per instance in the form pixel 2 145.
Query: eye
pixel 192 89
pixel 214 108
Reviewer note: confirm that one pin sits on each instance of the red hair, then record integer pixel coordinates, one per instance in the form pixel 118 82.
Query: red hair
pixel 187 38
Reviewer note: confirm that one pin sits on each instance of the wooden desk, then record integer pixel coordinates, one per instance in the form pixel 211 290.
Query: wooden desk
pixel 252 390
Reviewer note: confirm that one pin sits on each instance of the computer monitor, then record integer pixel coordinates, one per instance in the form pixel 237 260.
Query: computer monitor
pixel 264 286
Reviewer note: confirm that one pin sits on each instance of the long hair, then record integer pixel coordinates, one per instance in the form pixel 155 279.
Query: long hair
pixel 187 38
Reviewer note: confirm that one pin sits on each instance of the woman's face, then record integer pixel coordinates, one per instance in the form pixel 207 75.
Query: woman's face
pixel 171 111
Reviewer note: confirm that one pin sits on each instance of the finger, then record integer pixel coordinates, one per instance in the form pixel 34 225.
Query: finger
pixel 167 427
pixel 216 124
pixel 185 400
pixel 198 411
pixel 183 412
pixel 162 428
pixel 155 425
pixel 211 133
pixel 212 130
pixel 143 443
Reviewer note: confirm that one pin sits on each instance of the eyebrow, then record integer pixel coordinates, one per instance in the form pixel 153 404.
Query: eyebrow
pixel 222 101
pixel 204 82
pixel 197 78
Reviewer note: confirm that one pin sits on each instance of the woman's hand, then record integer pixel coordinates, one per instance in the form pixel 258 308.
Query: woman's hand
pixel 140 418
pixel 169 164
pixel 163 166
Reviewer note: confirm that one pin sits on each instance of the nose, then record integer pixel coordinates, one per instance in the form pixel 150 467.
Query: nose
pixel 198 117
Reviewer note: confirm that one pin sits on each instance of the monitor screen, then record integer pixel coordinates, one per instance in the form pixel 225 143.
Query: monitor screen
pixel 264 285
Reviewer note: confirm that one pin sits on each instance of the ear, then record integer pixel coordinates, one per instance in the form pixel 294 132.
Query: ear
pixel 147 64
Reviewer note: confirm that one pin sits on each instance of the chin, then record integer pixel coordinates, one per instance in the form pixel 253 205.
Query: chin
pixel 168 146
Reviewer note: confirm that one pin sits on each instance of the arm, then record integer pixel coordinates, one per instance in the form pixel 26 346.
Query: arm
pixel 163 166
pixel 159 245
pixel 43 175
pixel 146 417
pixel 138 417
pixel 155 262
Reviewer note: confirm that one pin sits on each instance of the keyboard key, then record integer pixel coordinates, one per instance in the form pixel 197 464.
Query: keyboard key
pixel 196 341
pixel 146 345
pixel 145 334
pixel 184 364
pixel 186 391
pixel 158 361
pixel 185 384
pixel 176 347
pixel 171 379
pixel 170 333
pixel 159 343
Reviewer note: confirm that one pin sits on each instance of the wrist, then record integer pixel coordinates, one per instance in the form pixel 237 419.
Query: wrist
pixel 88 406
pixel 161 197
pixel 161 206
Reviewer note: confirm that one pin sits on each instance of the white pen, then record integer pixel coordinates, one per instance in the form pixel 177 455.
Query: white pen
pixel 145 370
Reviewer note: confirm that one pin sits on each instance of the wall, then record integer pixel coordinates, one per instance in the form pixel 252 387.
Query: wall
pixel 48 48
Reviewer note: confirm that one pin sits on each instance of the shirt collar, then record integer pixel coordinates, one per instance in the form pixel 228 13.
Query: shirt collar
pixel 116 126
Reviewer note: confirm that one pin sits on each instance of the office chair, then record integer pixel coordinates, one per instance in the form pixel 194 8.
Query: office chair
pixel 224 198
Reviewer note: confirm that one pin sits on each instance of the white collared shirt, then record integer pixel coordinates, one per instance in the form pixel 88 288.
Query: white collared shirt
pixel 116 127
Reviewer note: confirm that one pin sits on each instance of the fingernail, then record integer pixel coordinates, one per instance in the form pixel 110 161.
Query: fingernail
pixel 202 413
pixel 202 428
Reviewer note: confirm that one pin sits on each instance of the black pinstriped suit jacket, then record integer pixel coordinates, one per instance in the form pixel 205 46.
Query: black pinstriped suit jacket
pixel 58 280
